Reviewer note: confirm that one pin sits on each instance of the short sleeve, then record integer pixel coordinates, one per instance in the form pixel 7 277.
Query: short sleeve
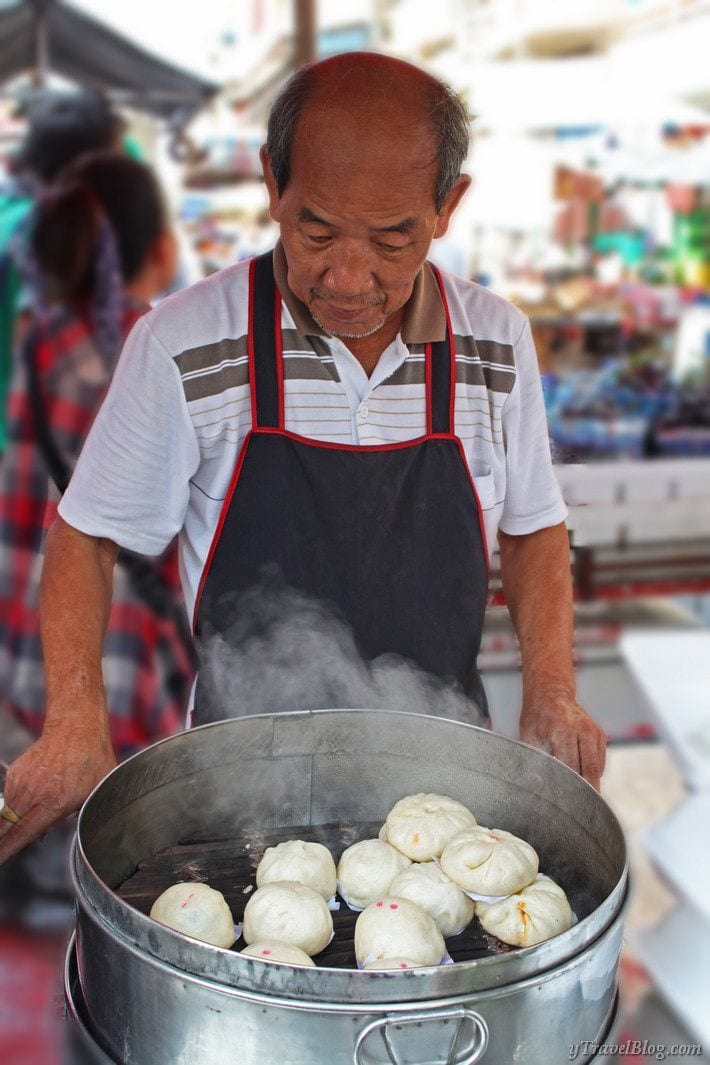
pixel 131 481
pixel 533 498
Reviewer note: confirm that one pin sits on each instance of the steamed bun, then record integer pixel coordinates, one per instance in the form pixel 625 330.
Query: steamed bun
pixel 274 950
pixel 307 863
pixel 367 869
pixel 392 928
pixel 489 861
pixel 430 889
pixel 536 913
pixel 290 912
pixel 196 910
pixel 421 825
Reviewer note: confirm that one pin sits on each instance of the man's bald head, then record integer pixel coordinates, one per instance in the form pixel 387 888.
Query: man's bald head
pixel 358 104
pixel 363 170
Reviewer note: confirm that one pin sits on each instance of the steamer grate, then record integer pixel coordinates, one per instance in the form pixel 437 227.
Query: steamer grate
pixel 230 867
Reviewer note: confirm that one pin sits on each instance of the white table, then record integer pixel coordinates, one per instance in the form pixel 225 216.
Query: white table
pixel 673 670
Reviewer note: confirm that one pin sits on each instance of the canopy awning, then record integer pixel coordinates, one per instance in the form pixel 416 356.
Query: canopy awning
pixel 51 35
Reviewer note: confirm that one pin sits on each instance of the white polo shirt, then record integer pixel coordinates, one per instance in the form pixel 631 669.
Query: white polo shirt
pixel 162 450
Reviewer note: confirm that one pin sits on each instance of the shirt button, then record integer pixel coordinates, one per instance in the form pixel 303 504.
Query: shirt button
pixel 364 411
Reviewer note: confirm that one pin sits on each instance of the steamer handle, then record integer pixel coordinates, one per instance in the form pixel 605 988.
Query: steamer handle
pixel 394 1021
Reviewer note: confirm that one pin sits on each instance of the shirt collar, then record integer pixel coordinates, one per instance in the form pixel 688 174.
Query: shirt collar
pixel 424 315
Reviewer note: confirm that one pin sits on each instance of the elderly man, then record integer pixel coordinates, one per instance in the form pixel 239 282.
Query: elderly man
pixel 338 412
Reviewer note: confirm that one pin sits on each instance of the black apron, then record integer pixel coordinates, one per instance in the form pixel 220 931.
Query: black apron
pixel 390 537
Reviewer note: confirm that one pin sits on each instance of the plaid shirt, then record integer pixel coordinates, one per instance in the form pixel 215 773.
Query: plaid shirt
pixel 146 668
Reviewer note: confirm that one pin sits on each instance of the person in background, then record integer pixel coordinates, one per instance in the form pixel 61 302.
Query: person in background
pixel 101 248
pixel 62 126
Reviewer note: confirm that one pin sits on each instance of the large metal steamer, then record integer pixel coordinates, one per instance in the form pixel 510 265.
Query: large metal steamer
pixel 146 995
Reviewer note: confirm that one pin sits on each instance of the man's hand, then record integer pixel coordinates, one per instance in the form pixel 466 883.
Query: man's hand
pixel 51 780
pixel 535 570
pixel 558 725
pixel 55 775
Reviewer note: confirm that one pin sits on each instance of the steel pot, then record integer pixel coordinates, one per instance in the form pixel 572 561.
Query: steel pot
pixel 153 996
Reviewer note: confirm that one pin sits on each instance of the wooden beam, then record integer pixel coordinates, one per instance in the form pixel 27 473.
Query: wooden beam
pixel 304 15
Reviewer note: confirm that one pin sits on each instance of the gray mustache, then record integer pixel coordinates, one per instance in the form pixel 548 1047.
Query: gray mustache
pixel 346 303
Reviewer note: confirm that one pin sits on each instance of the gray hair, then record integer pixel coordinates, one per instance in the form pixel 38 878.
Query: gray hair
pixel 447 112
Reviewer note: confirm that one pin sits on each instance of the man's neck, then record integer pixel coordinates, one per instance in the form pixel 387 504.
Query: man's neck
pixel 367 350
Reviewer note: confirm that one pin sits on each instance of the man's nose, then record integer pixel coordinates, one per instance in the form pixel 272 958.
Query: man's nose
pixel 348 273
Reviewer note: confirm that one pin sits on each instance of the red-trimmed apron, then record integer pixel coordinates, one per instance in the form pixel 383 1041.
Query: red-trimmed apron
pixel 390 537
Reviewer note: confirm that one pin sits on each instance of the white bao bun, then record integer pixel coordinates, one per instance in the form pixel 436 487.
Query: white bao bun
pixel 429 888
pixel 271 950
pixel 535 914
pixel 421 825
pixel 395 928
pixel 391 963
pixel 490 861
pixel 307 863
pixel 290 912
pixel 366 870
pixel 196 910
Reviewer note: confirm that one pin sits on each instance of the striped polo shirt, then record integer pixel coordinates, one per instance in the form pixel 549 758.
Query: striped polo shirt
pixel 162 450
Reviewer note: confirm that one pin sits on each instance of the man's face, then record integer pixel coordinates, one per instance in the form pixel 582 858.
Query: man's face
pixel 357 219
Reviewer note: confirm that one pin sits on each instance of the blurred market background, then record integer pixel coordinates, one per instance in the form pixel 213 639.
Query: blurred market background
pixel 590 209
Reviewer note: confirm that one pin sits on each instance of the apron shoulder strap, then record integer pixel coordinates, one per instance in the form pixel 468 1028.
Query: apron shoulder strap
pixel 441 375
pixel 264 345
pixel 266 357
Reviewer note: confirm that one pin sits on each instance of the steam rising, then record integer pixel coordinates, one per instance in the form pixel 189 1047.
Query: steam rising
pixel 294 653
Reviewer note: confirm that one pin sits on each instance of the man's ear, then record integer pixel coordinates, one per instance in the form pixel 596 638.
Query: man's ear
pixel 270 182
pixel 453 198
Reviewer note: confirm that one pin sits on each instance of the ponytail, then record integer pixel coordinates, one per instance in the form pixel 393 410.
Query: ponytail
pixel 91 235
pixel 64 241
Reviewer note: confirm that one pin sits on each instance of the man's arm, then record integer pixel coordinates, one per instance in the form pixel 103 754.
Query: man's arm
pixel 535 570
pixel 55 775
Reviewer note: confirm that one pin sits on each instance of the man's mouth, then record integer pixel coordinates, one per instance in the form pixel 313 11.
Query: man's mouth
pixel 348 313
pixel 345 314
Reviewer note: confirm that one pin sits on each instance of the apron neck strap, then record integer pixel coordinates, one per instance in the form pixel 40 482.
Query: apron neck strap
pixel 440 364
pixel 264 345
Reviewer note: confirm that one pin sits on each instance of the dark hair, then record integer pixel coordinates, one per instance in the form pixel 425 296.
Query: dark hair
pixel 447 113
pixel 62 127
pixel 66 228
